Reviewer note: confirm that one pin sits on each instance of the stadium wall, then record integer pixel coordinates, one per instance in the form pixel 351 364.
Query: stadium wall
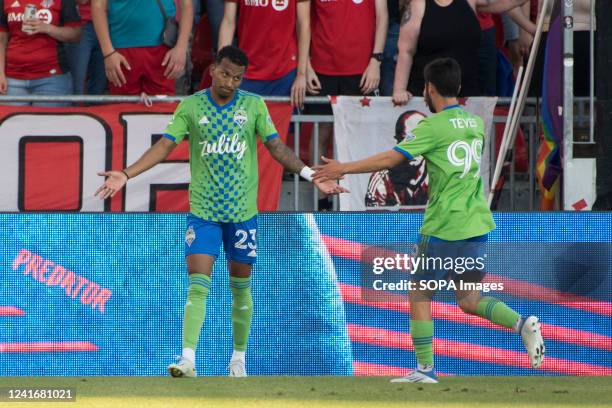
pixel 102 294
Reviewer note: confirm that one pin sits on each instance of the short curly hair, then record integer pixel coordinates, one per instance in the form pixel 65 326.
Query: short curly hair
pixel 234 54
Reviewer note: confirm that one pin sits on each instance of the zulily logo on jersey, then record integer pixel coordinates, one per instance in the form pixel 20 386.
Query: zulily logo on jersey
pixel 225 145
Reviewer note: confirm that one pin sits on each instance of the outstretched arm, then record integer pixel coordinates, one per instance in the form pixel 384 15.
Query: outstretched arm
pixel 292 163
pixel 284 155
pixel 116 179
pixel 334 169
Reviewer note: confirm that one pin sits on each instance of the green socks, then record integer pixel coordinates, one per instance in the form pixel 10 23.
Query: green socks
pixel 497 312
pixel 242 311
pixel 195 309
pixel 489 308
pixel 422 339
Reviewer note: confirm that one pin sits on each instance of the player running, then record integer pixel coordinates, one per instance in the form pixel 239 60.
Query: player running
pixel 457 218
pixel 222 123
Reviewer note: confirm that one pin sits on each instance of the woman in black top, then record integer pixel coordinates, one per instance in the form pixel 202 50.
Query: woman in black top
pixel 432 29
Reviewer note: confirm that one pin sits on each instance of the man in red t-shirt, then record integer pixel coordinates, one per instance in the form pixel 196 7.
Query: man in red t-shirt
pixel 267 33
pixel 31 51
pixel 348 39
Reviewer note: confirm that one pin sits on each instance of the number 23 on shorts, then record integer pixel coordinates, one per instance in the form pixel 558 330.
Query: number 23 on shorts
pixel 239 238
pixel 244 241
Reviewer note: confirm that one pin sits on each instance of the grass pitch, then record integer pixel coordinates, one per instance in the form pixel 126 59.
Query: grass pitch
pixel 317 392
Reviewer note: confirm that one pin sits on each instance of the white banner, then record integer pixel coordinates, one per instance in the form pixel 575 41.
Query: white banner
pixel 367 126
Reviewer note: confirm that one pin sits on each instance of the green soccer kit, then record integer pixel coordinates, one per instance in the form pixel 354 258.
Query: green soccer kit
pixel 451 142
pixel 222 152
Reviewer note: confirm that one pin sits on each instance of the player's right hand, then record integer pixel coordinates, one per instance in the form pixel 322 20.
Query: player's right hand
pixel 401 97
pixel 331 170
pixel 115 180
pixel 113 67
pixel 330 187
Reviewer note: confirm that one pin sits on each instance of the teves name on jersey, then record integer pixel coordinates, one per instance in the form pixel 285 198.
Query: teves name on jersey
pixel 460 123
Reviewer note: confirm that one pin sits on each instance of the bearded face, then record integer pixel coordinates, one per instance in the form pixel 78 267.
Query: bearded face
pixel 428 101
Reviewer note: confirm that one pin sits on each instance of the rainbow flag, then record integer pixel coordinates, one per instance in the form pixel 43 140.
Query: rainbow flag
pixel 549 166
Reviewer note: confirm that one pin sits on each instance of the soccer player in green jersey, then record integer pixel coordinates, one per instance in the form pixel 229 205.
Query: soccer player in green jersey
pixel 222 123
pixel 457 218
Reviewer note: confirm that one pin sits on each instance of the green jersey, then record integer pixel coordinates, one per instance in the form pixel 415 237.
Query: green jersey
pixel 222 152
pixel 451 142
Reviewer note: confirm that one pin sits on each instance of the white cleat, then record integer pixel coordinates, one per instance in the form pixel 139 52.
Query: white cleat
pixel 416 376
pixel 237 368
pixel 182 368
pixel 533 341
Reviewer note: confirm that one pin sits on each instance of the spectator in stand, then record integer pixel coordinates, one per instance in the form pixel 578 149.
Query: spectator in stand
pixel 432 29
pixel 344 60
pixel 511 43
pixel 267 34
pixel 85 57
pixel 517 40
pixel 214 10
pixel 136 60
pixel 387 68
pixel 31 57
pixel 487 55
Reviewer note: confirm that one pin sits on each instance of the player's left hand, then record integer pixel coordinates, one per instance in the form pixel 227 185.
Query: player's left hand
pixel 329 187
pixel 332 170
pixel 370 78
pixel 115 180
pixel 298 91
pixel 36 26
pixel 174 61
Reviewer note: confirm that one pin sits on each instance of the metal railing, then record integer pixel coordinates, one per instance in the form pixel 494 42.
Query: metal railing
pixel 101 99
pixel 529 123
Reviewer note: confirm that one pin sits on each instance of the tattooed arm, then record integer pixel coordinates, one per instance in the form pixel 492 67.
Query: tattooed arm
pixel 292 163
pixel 284 155
pixel 410 28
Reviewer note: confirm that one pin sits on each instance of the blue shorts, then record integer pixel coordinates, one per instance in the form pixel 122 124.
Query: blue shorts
pixel 239 239
pixel 276 87
pixel 451 260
